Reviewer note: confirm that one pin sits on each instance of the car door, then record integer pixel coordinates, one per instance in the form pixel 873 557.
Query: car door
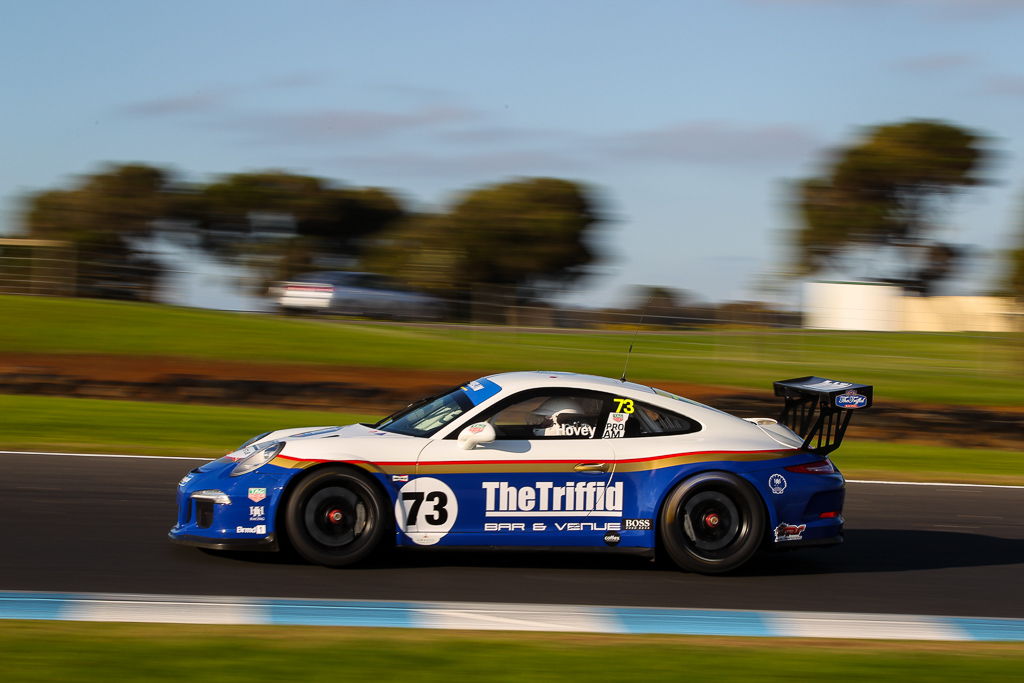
pixel 546 480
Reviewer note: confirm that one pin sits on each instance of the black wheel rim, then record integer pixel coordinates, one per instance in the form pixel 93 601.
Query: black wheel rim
pixel 712 523
pixel 337 516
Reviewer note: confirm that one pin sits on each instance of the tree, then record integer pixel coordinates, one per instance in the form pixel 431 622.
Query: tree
pixel 108 215
pixel 104 217
pixel 661 305
pixel 315 217
pixel 885 190
pixel 514 238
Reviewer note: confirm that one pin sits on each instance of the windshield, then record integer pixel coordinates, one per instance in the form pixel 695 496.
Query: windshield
pixel 428 415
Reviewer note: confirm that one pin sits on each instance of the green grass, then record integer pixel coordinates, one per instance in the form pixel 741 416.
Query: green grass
pixel 169 429
pixel 43 651
pixel 921 367
pixel 913 462
pixel 101 426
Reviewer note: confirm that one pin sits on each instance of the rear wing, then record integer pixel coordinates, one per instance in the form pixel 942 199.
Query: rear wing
pixel 820 409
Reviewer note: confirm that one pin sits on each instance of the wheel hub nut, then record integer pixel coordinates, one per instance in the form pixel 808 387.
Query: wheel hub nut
pixel 335 516
pixel 711 520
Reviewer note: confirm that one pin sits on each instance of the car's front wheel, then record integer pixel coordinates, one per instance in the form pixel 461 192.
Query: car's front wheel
pixel 712 523
pixel 335 517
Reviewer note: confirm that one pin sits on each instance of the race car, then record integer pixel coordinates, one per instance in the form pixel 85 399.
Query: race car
pixel 538 460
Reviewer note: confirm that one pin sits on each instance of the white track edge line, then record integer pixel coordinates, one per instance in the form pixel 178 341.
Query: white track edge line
pixel 933 483
pixel 105 455
pixel 175 457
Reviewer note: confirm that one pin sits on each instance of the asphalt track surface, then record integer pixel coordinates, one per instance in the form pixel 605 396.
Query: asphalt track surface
pixel 78 524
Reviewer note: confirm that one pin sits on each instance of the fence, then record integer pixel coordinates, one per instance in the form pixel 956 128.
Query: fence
pixel 739 334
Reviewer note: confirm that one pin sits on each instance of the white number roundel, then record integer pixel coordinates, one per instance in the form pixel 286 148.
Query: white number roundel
pixel 426 510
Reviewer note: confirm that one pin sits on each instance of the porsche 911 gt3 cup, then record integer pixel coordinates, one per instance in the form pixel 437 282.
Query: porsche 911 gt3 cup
pixel 538 460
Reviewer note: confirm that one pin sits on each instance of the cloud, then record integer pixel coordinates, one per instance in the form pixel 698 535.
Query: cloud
pixel 215 99
pixel 948 9
pixel 502 134
pixel 701 143
pixel 350 124
pixel 416 92
pixel 936 63
pixel 202 101
pixel 514 162
pixel 1005 85
pixel 715 142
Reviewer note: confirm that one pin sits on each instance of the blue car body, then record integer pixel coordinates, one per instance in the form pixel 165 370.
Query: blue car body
pixel 591 483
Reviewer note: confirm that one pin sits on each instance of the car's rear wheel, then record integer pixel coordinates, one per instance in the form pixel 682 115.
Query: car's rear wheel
pixel 335 517
pixel 712 523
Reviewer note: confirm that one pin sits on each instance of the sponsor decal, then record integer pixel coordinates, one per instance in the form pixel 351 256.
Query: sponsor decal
pixel 426 510
pixel 399 477
pixel 377 432
pixel 315 432
pixel 612 538
pixel 590 527
pixel 828 385
pixel 572 429
pixel 256 495
pixel 258 529
pixel 624 405
pixel 777 483
pixel 186 479
pixel 256 513
pixel 480 390
pixel 515 526
pixel 851 399
pixel 546 499
pixel 789 532
pixel 587 526
pixel 615 427
pixel 637 524
pixel 477 427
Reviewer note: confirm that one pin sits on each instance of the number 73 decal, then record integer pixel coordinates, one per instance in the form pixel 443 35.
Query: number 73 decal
pixel 426 510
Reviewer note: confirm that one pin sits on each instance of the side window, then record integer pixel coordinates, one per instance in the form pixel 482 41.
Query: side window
pixel 649 420
pixel 631 418
pixel 549 416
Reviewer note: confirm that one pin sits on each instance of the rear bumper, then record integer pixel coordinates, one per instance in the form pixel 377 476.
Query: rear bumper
pixel 805 543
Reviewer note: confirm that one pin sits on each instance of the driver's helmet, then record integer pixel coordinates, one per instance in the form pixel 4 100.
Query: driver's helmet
pixel 558 416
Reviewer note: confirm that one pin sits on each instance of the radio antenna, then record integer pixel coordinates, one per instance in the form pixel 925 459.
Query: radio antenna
pixel 635 333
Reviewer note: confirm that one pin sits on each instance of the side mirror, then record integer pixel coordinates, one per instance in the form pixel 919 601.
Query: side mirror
pixel 476 434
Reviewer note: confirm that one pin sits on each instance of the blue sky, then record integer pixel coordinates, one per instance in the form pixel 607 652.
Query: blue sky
pixel 688 118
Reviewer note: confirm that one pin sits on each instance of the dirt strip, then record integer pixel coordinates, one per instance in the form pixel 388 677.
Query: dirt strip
pixel 381 390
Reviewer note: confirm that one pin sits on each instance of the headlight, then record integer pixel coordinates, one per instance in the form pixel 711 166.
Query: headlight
pixel 261 457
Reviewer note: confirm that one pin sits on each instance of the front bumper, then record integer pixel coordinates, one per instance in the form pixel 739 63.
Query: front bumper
pixel 221 512
pixel 267 543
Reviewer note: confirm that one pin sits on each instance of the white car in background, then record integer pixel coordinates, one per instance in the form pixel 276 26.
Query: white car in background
pixel 350 293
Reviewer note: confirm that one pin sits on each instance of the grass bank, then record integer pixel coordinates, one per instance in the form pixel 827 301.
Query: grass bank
pixel 964 369
pixel 46 651
pixel 170 429
pixel 173 429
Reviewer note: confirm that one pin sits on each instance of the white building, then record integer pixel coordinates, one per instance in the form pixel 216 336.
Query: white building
pixel 884 307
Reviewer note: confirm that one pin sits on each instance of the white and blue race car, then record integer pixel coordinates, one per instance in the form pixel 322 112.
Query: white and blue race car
pixel 538 460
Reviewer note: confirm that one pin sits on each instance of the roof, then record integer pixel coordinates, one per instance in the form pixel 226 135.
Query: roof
pixel 515 381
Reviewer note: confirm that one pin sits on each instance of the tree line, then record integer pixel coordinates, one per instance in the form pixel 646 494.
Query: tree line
pixel 524 236
pixel 885 189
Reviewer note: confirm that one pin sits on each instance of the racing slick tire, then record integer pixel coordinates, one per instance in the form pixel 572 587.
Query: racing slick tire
pixel 335 517
pixel 712 523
